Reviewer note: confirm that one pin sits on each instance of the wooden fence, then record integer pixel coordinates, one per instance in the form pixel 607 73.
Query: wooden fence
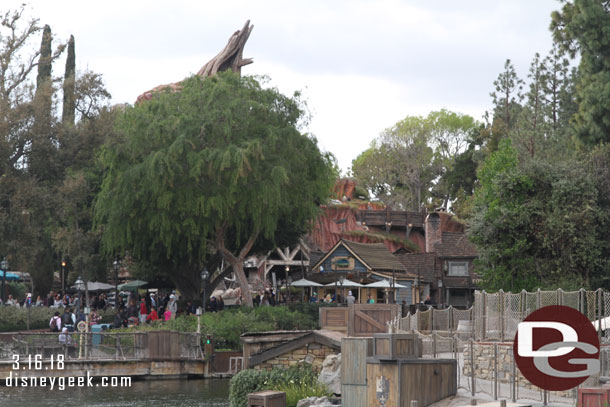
pixel 359 319
pixel 369 319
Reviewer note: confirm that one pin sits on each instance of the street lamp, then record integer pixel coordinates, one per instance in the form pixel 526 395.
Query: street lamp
pixel 4 267
pixel 204 278
pixel 115 265
pixel 342 280
pixel 63 273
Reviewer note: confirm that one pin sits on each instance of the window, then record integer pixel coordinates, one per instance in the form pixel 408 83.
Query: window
pixel 458 268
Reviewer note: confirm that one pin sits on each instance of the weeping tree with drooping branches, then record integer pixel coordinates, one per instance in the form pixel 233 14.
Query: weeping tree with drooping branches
pixel 219 167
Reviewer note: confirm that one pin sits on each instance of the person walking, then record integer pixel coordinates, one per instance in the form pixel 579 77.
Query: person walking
pixel 143 311
pixel 172 306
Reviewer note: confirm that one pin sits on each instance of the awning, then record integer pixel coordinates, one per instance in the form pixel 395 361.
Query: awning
pixel 9 275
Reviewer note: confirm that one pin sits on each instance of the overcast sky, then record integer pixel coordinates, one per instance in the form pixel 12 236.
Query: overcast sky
pixel 362 65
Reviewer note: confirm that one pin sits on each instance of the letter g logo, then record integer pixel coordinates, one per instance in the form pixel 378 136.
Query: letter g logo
pixel 556 348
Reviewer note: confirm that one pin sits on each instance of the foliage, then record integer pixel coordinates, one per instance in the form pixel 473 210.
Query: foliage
pixel 302 379
pixel 300 390
pixel 536 223
pixel 38 156
pixel 402 164
pixel 582 27
pixel 219 166
pixel 228 325
pixel 13 319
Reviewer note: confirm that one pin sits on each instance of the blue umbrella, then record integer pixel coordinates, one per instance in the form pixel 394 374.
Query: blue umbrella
pixel 8 275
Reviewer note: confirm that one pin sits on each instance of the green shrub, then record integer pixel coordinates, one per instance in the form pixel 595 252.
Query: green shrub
pixel 300 379
pixel 228 325
pixel 15 318
pixel 299 391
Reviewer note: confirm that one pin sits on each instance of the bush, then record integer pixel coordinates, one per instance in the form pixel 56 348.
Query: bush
pixel 15 318
pixel 228 325
pixel 299 391
pixel 297 380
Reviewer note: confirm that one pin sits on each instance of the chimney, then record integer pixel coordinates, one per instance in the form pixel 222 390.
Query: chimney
pixel 433 231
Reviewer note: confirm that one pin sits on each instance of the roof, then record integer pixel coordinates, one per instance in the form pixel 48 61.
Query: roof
pixel 324 337
pixel 455 245
pixel 375 256
pixel 420 264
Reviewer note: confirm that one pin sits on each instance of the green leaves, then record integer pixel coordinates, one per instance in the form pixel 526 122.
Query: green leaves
pixel 221 155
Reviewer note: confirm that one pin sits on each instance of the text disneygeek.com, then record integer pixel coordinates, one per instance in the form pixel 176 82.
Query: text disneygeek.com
pixel 61 383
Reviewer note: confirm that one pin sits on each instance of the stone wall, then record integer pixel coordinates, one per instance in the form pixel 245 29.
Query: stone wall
pixel 484 365
pixel 312 353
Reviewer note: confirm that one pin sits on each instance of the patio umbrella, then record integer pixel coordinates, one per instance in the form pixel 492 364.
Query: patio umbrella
pixel 95 286
pixel 305 283
pixel 384 284
pixel 349 284
pixel 132 285
pixel 346 283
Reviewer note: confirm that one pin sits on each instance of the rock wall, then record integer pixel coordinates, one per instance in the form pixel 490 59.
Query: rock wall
pixel 313 354
pixel 484 365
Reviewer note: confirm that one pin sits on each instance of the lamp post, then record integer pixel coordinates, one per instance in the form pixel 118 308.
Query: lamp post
pixel 204 279
pixel 63 274
pixel 342 280
pixel 115 266
pixel 4 267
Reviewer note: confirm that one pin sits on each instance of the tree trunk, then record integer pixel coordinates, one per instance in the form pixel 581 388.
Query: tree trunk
pixel 238 269
pixel 237 262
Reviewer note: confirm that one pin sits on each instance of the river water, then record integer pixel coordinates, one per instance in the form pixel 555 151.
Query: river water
pixel 155 393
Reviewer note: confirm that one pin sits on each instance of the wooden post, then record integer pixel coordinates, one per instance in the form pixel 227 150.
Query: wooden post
pixel 501 313
pixel 496 371
pixel 514 381
pixel 484 315
pixel 600 314
pixel 472 378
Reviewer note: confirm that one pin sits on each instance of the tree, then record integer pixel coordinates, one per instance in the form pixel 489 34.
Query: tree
pixel 218 167
pixel 69 106
pixel 402 164
pixel 582 27
pixel 537 223
pixel 507 99
pixel 36 165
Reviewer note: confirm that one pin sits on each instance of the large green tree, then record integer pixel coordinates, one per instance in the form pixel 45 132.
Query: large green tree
pixel 220 166
pixel 539 223
pixel 408 164
pixel 581 27
pixel 47 172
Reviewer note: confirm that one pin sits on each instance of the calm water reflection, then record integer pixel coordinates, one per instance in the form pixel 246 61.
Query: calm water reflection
pixel 158 393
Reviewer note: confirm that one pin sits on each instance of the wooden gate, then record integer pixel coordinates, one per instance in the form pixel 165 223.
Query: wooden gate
pixel 333 318
pixel 369 319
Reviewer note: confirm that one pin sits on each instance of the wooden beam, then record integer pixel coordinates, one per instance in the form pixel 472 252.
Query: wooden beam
pixel 288 262
pixel 282 255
